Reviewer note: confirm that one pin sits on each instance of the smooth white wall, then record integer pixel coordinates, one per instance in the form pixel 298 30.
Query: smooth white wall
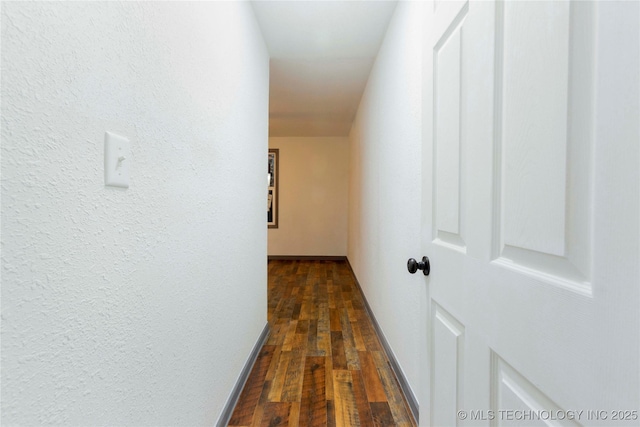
pixel 314 181
pixel 385 187
pixel 130 307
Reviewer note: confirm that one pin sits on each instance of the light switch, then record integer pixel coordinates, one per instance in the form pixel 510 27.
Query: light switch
pixel 117 157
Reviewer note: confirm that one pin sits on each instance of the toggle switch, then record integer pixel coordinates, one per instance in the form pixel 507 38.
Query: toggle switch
pixel 117 157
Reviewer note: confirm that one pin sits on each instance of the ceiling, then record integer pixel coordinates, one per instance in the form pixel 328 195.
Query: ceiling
pixel 321 56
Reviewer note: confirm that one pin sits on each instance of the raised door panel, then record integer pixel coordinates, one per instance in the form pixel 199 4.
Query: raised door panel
pixel 515 401
pixel 447 367
pixel 544 144
pixel 447 149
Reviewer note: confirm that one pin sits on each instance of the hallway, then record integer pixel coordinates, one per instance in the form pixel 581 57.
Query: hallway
pixel 500 139
pixel 323 363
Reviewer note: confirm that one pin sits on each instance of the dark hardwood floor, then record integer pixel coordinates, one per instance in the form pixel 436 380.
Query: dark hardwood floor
pixel 323 364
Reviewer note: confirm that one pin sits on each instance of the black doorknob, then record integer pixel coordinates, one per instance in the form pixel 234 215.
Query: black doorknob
pixel 413 265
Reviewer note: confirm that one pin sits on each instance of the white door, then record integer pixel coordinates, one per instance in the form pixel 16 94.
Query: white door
pixel 531 195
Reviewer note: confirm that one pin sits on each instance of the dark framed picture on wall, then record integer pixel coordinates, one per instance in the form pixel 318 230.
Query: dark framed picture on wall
pixel 272 188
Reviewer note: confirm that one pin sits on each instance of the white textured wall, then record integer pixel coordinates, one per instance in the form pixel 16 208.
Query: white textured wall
pixel 130 307
pixel 314 182
pixel 385 187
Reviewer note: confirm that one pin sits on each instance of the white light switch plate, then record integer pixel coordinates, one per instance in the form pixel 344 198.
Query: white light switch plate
pixel 117 157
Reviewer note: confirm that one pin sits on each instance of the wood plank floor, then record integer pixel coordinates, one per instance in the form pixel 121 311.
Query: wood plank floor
pixel 323 364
